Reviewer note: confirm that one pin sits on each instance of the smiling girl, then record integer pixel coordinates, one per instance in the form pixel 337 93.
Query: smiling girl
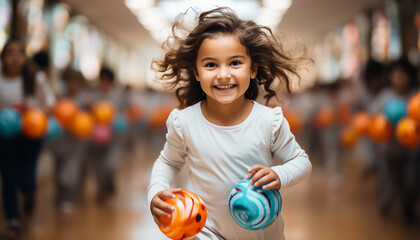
pixel 220 132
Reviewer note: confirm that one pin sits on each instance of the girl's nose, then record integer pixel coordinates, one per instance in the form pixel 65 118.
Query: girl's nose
pixel 224 74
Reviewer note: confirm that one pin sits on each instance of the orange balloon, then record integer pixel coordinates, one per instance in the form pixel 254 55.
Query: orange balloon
pixel 348 137
pixel 380 130
pixel 103 112
pixel 64 111
pixel 188 219
pixel 413 107
pixel 82 125
pixel 360 122
pixel 34 123
pixel 294 119
pixel 324 118
pixel 408 132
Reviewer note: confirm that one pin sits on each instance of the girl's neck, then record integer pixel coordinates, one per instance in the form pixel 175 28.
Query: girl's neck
pixel 227 114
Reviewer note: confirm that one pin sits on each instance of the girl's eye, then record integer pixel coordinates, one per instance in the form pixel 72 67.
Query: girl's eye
pixel 235 63
pixel 210 65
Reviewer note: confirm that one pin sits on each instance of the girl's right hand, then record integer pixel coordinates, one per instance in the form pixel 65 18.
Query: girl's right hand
pixel 159 207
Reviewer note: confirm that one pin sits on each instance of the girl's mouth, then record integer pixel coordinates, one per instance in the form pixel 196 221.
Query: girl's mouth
pixel 225 87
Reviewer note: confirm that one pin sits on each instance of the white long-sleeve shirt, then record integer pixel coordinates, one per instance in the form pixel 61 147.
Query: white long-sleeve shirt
pixel 11 92
pixel 218 158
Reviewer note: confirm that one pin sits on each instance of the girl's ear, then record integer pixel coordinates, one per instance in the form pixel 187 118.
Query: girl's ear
pixel 254 70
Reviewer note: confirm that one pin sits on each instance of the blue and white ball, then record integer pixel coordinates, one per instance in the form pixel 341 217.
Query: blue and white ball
pixel 254 208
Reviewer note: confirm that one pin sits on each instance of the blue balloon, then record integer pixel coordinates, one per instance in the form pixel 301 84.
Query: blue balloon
pixel 119 125
pixel 54 129
pixel 395 109
pixel 10 123
pixel 254 208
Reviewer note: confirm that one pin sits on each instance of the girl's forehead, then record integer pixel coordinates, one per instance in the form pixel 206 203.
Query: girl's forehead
pixel 222 42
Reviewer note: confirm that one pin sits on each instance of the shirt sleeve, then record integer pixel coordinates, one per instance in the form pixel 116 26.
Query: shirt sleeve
pixel 295 164
pixel 171 159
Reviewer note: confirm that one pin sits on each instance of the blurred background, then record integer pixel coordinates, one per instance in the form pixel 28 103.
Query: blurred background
pixel 100 118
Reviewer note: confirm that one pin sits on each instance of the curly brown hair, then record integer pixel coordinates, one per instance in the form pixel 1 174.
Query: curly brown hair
pixel 179 63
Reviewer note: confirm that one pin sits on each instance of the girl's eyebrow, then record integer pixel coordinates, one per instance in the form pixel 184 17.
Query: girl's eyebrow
pixel 211 58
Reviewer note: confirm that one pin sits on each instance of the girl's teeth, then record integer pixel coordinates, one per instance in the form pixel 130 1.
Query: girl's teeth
pixel 225 87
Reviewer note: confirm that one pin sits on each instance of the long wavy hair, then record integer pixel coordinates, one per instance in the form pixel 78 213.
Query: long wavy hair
pixel 179 63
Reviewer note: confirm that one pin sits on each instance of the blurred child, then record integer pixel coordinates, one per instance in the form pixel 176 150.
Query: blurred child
pixel 20 88
pixel 104 156
pixel 66 149
pixel 397 164
pixel 221 133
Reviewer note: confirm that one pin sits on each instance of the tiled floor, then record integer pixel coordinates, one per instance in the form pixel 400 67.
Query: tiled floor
pixel 312 210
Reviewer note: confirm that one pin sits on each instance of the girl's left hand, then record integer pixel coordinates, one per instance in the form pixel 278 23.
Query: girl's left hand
pixel 264 176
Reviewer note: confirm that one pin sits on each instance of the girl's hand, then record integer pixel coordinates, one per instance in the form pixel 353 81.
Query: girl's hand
pixel 264 176
pixel 159 207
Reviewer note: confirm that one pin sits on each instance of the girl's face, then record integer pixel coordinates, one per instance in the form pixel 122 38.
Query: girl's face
pixel 14 59
pixel 224 69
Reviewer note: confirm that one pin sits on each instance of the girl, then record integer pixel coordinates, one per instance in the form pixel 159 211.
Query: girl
pixel 19 88
pixel 221 133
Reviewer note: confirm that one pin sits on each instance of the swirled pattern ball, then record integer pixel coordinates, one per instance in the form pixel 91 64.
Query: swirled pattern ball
pixel 189 216
pixel 254 208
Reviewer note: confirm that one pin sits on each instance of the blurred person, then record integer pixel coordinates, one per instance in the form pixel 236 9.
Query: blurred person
pixel 397 164
pixel 220 132
pixel 20 88
pixel 66 149
pixel 103 157
pixel 372 84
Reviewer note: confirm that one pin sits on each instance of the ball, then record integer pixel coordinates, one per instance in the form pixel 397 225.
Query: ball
pixel 10 123
pixel 82 125
pixel 54 129
pixel 101 134
pixel 408 132
pixel 360 122
pixel 254 208
pixel 34 123
pixel 64 111
pixel 394 110
pixel 380 130
pixel 188 219
pixel 120 124
pixel 413 107
pixel 103 112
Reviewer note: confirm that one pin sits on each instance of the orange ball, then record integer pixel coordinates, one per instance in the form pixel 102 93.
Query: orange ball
pixel 159 116
pixel 360 122
pixel 408 132
pixel 103 112
pixel 64 111
pixel 134 113
pixel 34 123
pixel 294 119
pixel 188 219
pixel 324 118
pixel 380 130
pixel 344 113
pixel 413 107
pixel 348 137
pixel 82 125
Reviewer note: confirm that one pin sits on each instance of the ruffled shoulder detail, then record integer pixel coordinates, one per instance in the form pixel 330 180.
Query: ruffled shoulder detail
pixel 277 121
pixel 176 122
